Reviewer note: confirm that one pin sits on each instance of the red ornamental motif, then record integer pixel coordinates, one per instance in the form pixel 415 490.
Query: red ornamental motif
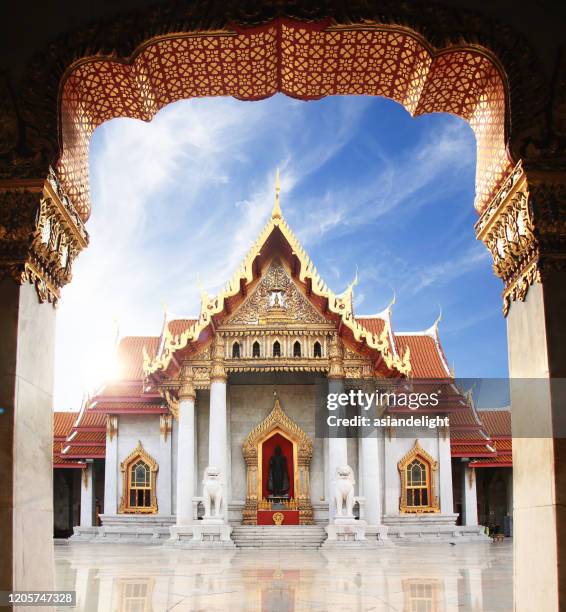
pixel 305 62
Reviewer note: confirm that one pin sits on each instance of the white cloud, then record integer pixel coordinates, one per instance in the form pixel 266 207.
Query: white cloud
pixel 166 212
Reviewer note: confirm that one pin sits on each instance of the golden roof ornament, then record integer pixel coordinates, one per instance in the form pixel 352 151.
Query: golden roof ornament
pixel 276 212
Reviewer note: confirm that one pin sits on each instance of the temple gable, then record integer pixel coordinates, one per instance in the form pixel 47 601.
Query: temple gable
pixel 276 299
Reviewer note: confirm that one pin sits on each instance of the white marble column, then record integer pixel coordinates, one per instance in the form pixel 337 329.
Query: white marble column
pixel 164 480
pixel 111 467
pixel 337 450
pixel 217 432
pixel 445 474
pixel 469 494
pixel 186 443
pixel 369 471
pixel 87 496
pixel 370 479
pixel 217 426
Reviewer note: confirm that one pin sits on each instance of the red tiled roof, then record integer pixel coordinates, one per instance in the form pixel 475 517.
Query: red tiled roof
pixel 63 422
pixel 88 436
pixel 83 452
pixel 130 355
pixel 471 450
pixel 373 324
pixel 110 407
pixel 490 462
pixel 90 419
pixel 426 361
pixel 496 422
pixel 178 326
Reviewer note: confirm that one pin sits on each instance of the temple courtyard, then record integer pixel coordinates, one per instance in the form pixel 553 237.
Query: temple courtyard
pixel 431 577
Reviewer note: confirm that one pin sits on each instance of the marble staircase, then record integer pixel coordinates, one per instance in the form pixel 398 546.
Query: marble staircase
pixel 279 537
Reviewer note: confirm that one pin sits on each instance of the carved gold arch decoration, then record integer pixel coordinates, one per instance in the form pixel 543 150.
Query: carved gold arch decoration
pixel 431 465
pixel 278 422
pixel 138 454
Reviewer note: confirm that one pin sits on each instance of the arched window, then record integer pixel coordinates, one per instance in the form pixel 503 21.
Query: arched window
pixel 317 349
pixel 417 470
pixel 255 349
pixel 236 350
pixel 297 349
pixel 139 471
pixel 417 484
pixel 276 349
pixel 140 485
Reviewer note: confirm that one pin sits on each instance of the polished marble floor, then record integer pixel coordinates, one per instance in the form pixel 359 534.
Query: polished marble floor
pixel 410 578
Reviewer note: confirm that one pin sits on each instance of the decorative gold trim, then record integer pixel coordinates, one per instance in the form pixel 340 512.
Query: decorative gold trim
pixel 278 518
pixel 41 235
pixel 507 229
pixel 111 426
pixel 165 425
pixel 417 452
pixel 278 422
pixel 138 453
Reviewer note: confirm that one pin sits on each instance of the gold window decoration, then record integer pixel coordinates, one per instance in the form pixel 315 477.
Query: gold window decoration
pixel 297 349
pixel 317 349
pixel 139 471
pixel 276 349
pixel 236 350
pixel 418 481
pixel 256 349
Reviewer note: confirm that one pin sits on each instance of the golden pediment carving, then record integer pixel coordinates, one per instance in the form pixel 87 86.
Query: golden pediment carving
pixel 276 300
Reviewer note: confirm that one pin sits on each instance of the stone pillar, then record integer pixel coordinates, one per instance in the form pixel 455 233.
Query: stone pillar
pixel 469 496
pixel 217 432
pixel 337 450
pixel 525 230
pixel 445 492
pixel 186 443
pixel 111 467
pixel 370 470
pixel 40 235
pixel 164 480
pixel 87 496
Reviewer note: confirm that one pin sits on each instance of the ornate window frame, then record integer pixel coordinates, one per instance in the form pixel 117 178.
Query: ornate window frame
pixel 139 453
pixel 433 506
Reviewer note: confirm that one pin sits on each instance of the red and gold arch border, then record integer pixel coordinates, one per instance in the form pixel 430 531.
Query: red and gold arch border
pixel 278 423
pixel 306 61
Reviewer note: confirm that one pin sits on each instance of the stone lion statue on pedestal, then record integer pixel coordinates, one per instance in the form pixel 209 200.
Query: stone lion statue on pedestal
pixel 212 492
pixel 344 491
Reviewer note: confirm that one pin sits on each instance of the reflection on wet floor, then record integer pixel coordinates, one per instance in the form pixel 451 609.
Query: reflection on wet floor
pixel 410 578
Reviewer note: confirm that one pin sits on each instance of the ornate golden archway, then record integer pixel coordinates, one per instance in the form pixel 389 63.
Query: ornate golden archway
pixel 278 422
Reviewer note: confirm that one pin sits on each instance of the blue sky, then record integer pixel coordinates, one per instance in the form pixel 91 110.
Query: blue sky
pixel 178 201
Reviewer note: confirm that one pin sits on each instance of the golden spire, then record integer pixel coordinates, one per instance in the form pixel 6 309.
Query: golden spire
pixel 276 212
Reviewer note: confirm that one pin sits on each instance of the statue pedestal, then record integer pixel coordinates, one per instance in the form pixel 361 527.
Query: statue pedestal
pixel 346 529
pixel 212 530
pixel 208 533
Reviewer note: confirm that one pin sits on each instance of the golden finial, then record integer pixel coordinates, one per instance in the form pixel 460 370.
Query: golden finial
pixel 276 212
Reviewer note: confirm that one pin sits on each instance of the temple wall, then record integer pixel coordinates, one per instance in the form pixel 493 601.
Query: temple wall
pixel 203 416
pixel 250 404
pixel 145 428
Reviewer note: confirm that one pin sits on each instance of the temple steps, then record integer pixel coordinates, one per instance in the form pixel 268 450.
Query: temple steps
pixel 272 536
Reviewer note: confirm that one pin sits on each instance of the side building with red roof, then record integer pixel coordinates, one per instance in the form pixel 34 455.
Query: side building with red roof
pixel 254 399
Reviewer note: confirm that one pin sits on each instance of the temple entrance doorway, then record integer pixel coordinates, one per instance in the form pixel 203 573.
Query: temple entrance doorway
pixel 278 454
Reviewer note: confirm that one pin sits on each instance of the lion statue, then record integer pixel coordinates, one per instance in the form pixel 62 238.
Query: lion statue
pixel 344 491
pixel 212 492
